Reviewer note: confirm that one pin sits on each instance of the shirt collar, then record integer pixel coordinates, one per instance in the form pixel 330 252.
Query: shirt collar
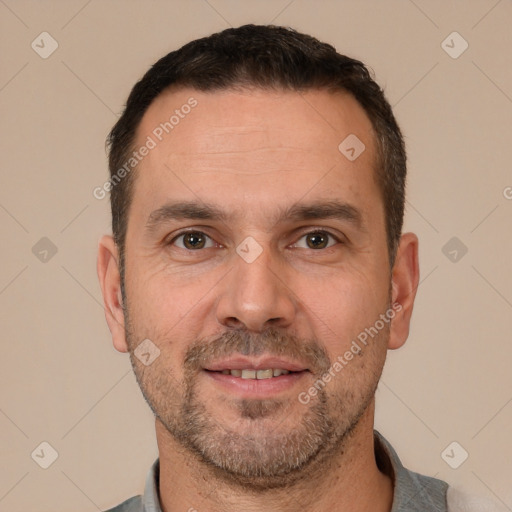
pixel 412 492
pixel 151 500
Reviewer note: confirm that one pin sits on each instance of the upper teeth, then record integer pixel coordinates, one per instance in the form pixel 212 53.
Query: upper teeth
pixel 256 374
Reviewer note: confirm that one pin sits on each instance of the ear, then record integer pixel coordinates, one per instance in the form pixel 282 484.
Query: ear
pixel 404 282
pixel 110 282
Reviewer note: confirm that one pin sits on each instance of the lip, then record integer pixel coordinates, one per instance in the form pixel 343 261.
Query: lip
pixel 255 388
pixel 263 363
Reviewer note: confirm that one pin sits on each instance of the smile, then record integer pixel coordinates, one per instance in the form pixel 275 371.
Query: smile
pixel 256 374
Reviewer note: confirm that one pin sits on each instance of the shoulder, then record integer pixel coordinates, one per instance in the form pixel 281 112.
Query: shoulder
pixel 459 501
pixel 130 505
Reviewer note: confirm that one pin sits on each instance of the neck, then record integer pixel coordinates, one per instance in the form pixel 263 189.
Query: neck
pixel 349 481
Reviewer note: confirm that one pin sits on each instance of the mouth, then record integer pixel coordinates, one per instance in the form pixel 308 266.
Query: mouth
pixel 249 373
pixel 263 378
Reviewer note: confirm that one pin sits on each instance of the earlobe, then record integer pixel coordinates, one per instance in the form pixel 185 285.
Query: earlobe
pixel 404 283
pixel 110 282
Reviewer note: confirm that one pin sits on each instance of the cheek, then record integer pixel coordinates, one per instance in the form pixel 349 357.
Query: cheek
pixel 156 292
pixel 171 310
pixel 345 303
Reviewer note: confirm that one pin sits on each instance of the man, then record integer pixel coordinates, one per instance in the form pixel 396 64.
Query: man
pixel 257 275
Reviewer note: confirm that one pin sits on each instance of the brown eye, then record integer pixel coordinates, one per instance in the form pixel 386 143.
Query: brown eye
pixel 192 240
pixel 317 240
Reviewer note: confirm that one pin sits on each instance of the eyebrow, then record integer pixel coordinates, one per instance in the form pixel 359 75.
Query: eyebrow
pixel 331 209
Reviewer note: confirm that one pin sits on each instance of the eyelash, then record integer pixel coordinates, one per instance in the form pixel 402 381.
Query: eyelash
pixel 314 231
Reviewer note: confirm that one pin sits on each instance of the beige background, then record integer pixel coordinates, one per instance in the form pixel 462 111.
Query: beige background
pixel 60 379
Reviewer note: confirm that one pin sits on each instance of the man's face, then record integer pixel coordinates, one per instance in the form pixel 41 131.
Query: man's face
pixel 294 270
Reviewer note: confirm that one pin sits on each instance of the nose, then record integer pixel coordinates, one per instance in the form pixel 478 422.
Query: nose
pixel 256 296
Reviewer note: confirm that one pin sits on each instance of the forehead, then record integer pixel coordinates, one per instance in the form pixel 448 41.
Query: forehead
pixel 248 119
pixel 250 145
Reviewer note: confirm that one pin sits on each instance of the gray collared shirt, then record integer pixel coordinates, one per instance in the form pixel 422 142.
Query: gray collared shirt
pixel 412 492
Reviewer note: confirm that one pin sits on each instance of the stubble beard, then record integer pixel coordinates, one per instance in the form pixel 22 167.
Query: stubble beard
pixel 262 455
